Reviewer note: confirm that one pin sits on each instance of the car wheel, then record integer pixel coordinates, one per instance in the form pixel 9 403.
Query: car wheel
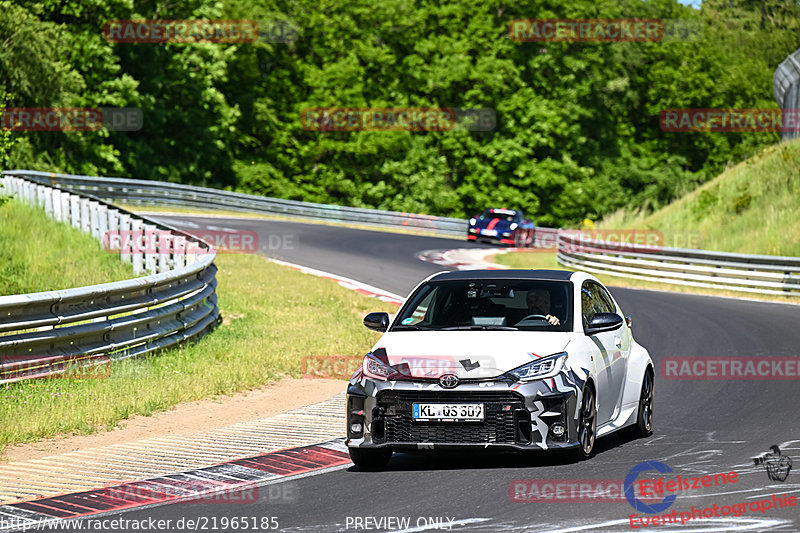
pixel 587 423
pixel 370 459
pixel 519 239
pixel 644 421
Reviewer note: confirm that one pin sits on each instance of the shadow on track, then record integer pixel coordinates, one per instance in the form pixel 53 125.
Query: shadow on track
pixel 479 460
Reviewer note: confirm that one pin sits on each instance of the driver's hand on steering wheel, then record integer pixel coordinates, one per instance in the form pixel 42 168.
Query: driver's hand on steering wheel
pixel 554 321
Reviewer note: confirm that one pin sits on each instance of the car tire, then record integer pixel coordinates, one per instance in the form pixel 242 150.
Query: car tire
pixel 587 423
pixel 370 459
pixel 644 418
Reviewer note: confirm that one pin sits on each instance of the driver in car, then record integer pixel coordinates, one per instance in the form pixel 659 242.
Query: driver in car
pixel 538 301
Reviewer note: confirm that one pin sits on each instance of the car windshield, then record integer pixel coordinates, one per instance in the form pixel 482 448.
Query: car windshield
pixel 510 216
pixel 498 304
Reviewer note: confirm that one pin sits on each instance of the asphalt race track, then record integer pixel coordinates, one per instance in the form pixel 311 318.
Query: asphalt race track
pixel 701 427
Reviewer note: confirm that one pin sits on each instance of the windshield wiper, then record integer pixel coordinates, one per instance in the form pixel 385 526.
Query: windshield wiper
pixel 414 327
pixel 484 328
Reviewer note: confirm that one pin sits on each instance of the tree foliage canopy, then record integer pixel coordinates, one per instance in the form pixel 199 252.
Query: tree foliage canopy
pixel 577 132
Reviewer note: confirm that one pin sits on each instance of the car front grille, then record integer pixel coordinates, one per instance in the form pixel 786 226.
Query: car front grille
pixel 505 419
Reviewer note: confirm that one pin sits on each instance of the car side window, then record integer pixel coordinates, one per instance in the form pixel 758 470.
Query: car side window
pixel 422 310
pixel 608 302
pixel 594 300
pixel 587 309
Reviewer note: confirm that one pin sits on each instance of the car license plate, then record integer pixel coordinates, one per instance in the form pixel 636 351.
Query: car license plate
pixel 447 412
pixel 489 232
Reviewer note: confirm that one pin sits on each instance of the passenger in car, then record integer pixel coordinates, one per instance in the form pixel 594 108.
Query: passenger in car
pixel 538 301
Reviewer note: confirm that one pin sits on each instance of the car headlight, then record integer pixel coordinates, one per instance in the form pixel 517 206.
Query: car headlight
pixel 546 367
pixel 472 221
pixel 513 225
pixel 375 368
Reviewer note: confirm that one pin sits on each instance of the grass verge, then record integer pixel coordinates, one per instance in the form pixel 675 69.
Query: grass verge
pixel 39 254
pixel 273 317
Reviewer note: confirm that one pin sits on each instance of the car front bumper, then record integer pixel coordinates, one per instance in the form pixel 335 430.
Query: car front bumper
pixel 517 416
pixel 474 235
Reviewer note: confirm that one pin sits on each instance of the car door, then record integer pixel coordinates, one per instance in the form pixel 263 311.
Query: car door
pixel 611 358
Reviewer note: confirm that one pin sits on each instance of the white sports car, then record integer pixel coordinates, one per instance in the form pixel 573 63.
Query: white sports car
pixel 499 360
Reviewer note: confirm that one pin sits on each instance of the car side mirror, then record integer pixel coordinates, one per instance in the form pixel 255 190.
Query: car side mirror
pixel 377 321
pixel 604 322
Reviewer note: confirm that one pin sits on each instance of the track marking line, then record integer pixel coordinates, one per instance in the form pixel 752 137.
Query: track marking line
pixel 85 470
pixel 272 467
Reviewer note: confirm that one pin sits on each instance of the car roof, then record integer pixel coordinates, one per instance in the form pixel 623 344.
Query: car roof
pixel 545 275
pixel 502 211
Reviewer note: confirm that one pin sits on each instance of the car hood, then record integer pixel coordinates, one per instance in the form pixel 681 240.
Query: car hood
pixel 495 223
pixel 468 354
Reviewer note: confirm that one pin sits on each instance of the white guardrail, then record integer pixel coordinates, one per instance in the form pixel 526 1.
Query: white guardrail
pixel 55 332
pixel 763 274
pixel 164 194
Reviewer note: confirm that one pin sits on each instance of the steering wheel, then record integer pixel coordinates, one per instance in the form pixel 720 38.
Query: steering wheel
pixel 533 316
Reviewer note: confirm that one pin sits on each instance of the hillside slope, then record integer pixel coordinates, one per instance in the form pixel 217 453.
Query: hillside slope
pixel 751 208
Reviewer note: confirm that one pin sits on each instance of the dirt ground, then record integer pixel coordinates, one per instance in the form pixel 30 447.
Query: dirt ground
pixel 188 418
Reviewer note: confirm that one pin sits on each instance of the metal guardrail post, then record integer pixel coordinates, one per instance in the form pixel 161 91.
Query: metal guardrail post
pixel 102 223
pixel 65 206
pixel 75 210
pixel 48 202
pixel 94 219
pixel 86 221
pixel 179 257
pixel 150 247
pixel 137 257
pixel 164 250
pixel 30 190
pixel 56 194
pixel 126 239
